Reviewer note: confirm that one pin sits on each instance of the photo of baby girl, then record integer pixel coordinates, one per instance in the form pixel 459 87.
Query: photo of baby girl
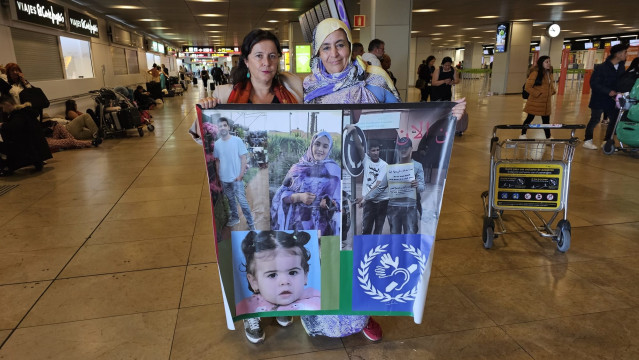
pixel 278 269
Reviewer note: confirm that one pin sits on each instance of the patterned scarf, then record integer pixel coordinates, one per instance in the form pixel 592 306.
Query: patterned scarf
pixel 346 87
pixel 242 91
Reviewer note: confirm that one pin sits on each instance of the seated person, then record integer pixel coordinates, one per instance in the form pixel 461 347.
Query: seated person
pixel 81 126
pixel 23 141
pixel 143 99
pixel 59 138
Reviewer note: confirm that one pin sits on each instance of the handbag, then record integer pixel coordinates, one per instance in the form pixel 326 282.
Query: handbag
pixel 420 84
pixel 35 96
pixel 524 93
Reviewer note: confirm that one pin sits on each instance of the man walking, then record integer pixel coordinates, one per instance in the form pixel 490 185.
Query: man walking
pixel 230 159
pixel 375 52
pixel 604 85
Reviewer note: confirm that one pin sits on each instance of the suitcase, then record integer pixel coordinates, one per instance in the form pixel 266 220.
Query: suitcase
pixel 462 124
pixel 129 118
pixel 154 89
pixel 212 85
pixel 194 81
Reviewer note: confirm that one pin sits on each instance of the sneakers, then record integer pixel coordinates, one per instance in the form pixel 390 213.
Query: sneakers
pixel 284 321
pixel 253 331
pixel 523 136
pixel 589 145
pixel 372 331
pixel 233 222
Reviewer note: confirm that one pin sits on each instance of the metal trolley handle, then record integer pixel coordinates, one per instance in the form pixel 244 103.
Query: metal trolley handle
pixel 539 126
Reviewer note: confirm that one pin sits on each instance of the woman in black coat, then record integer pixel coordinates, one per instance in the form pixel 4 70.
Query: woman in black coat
pixel 23 140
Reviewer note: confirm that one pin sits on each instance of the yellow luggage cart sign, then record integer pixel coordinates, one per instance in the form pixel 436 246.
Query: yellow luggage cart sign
pixel 529 186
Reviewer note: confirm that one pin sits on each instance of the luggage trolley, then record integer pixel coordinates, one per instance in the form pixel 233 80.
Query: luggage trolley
pixel 530 175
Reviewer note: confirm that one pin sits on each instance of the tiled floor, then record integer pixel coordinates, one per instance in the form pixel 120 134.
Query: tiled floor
pixel 108 254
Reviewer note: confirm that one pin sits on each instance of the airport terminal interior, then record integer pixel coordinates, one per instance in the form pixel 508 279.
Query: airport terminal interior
pixel 108 253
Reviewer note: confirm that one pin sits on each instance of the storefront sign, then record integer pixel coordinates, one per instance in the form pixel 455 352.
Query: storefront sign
pixel 41 12
pixel 83 24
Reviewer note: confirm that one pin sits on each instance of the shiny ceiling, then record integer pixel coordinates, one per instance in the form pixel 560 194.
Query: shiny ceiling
pixel 451 24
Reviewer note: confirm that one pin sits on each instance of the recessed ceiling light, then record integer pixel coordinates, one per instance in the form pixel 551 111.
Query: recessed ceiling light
pixel 159 28
pixel 425 10
pixel 469 28
pixel 272 21
pixel 523 20
pixel 437 34
pixel 214 31
pixel 605 21
pixel 436 38
pixel 556 3
pixel 490 31
pixel 592 17
pixel 414 32
pixel 283 9
pixel 457 35
pixel 211 15
pixel 608 37
pixel 444 25
pixel 487 17
pixel 576 11
pixel 627 36
pixel 212 24
pixel 169 33
pixel 127 7
pixel 354 29
pixel 149 20
pixel 476 37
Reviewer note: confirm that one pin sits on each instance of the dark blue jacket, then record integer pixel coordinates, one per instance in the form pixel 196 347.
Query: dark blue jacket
pixel 604 79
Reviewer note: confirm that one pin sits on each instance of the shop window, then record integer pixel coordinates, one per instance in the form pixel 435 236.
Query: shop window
pixel 38 55
pixel 119 61
pixel 132 61
pixel 77 58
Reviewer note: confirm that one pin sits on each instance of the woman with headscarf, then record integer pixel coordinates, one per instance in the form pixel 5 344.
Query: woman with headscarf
pixel 256 80
pixel 310 193
pixel 335 79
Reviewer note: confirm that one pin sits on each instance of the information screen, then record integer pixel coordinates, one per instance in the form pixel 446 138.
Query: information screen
pixel 501 41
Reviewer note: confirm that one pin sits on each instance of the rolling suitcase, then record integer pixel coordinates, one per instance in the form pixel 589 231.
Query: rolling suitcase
pixel 194 81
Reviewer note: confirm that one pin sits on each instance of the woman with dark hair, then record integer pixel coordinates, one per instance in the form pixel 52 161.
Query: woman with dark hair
pixel 23 141
pixel 143 99
pixel 256 80
pixel 444 77
pixel 16 80
pixel 425 72
pixel 541 87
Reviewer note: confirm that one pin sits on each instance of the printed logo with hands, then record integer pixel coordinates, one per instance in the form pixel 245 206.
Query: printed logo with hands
pixel 391 275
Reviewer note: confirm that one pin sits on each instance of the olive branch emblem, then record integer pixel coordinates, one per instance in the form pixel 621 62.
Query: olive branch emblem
pixel 367 286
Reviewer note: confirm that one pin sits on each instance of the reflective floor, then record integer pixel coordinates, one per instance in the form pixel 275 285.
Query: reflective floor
pixel 108 254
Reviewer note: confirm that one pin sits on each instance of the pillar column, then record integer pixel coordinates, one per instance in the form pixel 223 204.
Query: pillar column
pixel 552 47
pixel 473 55
pixel 510 67
pixel 390 21
pixel 420 50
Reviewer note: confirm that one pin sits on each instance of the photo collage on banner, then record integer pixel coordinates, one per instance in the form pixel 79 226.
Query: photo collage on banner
pixel 325 210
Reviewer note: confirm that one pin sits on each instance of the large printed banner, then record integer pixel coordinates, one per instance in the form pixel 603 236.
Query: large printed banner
pixel 325 209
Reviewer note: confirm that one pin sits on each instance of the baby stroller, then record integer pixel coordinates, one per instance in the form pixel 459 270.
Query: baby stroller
pixel 626 124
